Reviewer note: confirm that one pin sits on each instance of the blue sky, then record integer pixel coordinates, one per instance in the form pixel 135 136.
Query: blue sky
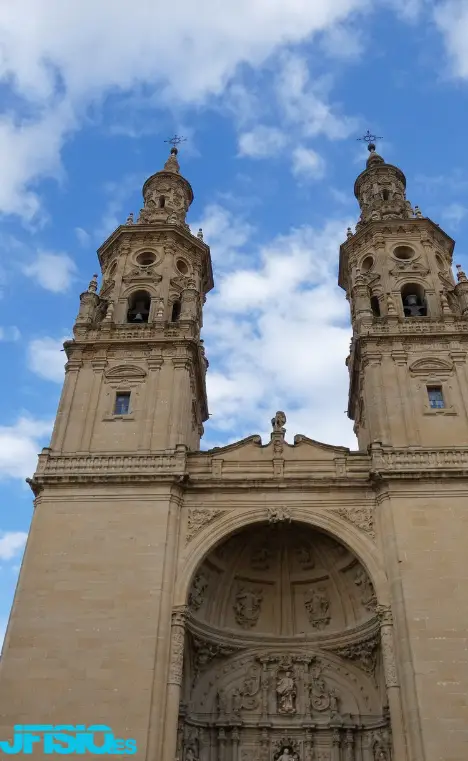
pixel 271 96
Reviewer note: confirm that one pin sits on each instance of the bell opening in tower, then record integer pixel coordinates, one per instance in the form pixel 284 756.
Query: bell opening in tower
pixel 139 307
pixel 414 300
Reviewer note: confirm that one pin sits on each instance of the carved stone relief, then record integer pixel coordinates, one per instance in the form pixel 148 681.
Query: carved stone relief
pixel 359 516
pixel 198 518
pixel 197 592
pixel 247 606
pixel 286 692
pixel 368 598
pixel 317 604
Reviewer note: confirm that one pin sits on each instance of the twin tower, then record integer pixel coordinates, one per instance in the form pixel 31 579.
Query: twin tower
pixel 259 601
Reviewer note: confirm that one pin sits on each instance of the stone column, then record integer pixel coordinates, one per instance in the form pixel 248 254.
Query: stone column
pixel 154 366
pixel 71 376
pixel 336 745
pixel 349 745
pixel 181 413
pixel 309 746
pixel 221 744
pixel 99 366
pixel 174 682
pixel 235 736
pixel 384 614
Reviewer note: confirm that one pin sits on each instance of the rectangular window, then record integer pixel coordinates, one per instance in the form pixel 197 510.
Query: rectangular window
pixel 122 403
pixel 436 397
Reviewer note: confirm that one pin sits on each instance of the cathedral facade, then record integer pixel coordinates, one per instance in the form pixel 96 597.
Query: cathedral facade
pixel 263 601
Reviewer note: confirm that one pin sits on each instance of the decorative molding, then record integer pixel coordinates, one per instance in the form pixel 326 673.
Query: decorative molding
pixel 198 519
pixel 361 517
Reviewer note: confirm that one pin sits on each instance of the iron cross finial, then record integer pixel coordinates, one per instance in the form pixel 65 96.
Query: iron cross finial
pixel 175 141
pixel 370 140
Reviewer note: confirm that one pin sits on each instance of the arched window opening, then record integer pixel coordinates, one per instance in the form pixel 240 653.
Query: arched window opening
pixel 176 308
pixel 139 307
pixel 385 194
pixel 162 202
pixel 414 300
pixel 375 306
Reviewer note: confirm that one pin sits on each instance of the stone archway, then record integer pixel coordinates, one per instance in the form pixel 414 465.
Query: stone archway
pixel 282 653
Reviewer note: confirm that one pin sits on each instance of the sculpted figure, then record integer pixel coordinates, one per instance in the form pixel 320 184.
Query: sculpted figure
pixel 286 692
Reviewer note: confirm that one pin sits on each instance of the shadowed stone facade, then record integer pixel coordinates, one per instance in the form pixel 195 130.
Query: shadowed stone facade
pixel 260 601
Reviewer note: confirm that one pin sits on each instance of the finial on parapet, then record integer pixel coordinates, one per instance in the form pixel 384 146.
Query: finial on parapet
pixel 461 277
pixel 417 212
pixel 278 422
pixel 130 219
pixel 349 233
pixel 93 284
pixel 200 234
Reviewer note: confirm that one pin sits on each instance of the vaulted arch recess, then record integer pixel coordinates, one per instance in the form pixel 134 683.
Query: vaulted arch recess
pixel 282 654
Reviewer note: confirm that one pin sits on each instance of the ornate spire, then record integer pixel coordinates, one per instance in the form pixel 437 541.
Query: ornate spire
pixel 381 189
pixel 172 165
pixel 167 195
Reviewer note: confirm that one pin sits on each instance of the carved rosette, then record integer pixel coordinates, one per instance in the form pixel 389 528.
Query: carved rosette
pixel 179 619
pixel 198 518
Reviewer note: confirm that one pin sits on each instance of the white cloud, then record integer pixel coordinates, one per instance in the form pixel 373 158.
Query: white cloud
pixel 452 19
pixel 57 74
pixel 19 446
pixel 307 163
pixel 261 142
pixel 10 333
pixel 47 359
pixel 83 236
pixel 343 42
pixel 455 213
pixel 224 234
pixel 12 544
pixel 303 102
pixel 54 272
pixel 277 337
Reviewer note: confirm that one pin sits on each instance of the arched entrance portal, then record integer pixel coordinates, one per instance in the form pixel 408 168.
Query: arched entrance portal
pixel 282 654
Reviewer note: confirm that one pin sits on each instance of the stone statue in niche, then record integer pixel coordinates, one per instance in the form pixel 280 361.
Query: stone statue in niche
pixel 197 592
pixel 317 604
pixel 380 750
pixel 286 755
pixel 190 755
pixel 368 598
pixel 247 606
pixel 286 692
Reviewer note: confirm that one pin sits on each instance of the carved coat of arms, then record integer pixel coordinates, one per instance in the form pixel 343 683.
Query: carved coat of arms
pixel 247 606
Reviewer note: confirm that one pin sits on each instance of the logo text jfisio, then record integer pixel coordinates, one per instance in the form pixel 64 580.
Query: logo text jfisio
pixel 67 739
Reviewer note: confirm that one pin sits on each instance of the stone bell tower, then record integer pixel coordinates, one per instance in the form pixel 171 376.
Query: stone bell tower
pixel 407 362
pixel 136 367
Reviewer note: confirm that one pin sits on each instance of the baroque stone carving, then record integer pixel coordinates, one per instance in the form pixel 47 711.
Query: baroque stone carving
pixel 361 517
pixel 260 558
pixel 305 556
pixel 205 652
pixel 179 616
pixel 278 422
pixel 317 604
pixel 286 692
pixel 198 518
pixel 247 606
pixel 279 515
pixel 368 598
pixel 364 653
pixel 197 592
pixel 321 698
